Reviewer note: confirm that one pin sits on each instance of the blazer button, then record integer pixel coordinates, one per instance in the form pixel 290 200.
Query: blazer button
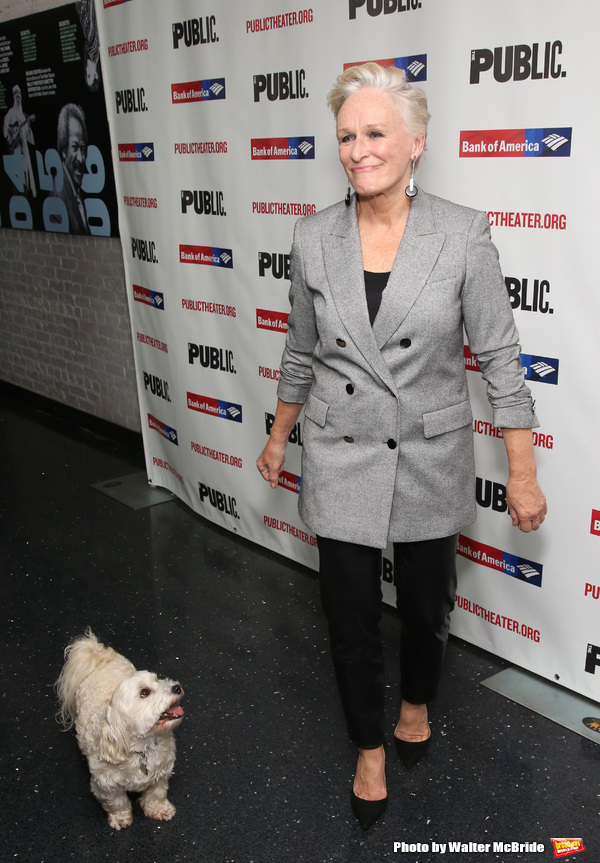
pixel 340 343
pixel 348 439
pixel 349 389
pixel 405 343
pixel 392 443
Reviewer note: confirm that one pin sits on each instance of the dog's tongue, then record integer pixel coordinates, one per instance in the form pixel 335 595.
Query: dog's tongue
pixel 175 711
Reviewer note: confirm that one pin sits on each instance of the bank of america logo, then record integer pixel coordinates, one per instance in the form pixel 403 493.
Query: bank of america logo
pixel 554 141
pixel 214 407
pixel 542 369
pixel 528 143
pixel 415 66
pixel 136 152
pixel 163 429
pixel 527 570
pixel 148 297
pixel 209 256
pixel 289 481
pixel 198 91
pixel 283 148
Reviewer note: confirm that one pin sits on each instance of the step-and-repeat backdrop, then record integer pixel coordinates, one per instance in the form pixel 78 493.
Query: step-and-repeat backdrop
pixel 222 138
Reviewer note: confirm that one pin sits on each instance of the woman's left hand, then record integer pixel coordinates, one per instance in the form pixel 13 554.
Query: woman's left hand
pixel 526 504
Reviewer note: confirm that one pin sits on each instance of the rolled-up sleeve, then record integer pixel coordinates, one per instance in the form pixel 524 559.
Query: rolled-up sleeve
pixel 296 375
pixel 491 332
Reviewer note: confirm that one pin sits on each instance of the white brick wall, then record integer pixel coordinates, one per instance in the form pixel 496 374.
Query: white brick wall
pixel 64 323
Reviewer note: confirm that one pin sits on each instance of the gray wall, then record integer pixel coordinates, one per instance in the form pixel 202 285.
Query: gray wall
pixel 64 322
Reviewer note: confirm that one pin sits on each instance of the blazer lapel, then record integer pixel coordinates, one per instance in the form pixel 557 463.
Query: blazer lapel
pixel 343 263
pixel 419 250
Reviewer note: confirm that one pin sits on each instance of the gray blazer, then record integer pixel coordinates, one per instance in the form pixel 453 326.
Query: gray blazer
pixel 388 442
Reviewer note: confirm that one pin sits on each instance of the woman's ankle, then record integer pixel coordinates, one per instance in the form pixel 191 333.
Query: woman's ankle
pixel 413 723
pixel 369 781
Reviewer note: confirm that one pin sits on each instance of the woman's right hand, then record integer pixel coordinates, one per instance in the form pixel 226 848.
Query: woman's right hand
pixel 270 462
pixel 271 459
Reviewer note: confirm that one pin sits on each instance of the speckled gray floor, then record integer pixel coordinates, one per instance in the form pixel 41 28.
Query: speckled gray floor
pixel 264 768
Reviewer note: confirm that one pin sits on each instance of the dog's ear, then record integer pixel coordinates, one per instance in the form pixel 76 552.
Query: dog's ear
pixel 115 739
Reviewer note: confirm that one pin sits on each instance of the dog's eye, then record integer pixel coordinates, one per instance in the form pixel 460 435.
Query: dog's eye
pixel 144 693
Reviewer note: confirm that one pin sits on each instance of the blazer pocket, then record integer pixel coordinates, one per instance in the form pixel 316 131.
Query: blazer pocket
pixel 447 419
pixel 443 276
pixel 316 410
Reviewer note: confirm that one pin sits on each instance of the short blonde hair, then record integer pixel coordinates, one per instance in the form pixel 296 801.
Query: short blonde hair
pixel 412 100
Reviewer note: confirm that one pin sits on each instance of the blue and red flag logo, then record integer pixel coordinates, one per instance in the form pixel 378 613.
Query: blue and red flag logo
pixel 271 320
pixel 503 561
pixel 282 148
pixel 515 143
pixel 542 369
pixel 209 256
pixel 148 297
pixel 163 429
pixel 136 152
pixel 289 481
pixel 215 407
pixel 415 66
pixel 198 91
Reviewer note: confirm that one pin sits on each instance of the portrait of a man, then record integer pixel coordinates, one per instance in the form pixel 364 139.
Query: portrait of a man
pixel 72 146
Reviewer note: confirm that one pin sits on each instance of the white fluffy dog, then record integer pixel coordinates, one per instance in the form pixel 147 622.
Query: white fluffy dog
pixel 124 721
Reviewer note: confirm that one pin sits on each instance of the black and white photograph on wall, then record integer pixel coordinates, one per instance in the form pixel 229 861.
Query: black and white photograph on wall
pixel 56 172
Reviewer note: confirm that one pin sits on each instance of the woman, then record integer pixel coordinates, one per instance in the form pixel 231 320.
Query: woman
pixel 382 285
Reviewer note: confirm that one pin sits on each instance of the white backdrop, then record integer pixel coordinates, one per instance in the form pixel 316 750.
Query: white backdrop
pixel 222 138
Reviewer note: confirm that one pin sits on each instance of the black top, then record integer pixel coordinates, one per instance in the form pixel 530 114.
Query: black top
pixel 374 285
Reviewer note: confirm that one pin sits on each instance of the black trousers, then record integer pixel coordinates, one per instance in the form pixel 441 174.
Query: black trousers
pixel 351 595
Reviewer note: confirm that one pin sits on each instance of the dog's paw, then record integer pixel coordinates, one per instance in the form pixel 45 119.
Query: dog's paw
pixel 119 820
pixel 160 810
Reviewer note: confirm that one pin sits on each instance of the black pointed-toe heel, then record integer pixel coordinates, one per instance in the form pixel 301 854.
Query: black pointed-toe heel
pixel 410 753
pixel 367 811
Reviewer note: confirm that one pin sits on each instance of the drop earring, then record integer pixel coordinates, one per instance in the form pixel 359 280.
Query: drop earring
pixel 348 197
pixel 411 190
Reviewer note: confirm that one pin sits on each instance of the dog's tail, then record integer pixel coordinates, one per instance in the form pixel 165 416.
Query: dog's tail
pixel 83 655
